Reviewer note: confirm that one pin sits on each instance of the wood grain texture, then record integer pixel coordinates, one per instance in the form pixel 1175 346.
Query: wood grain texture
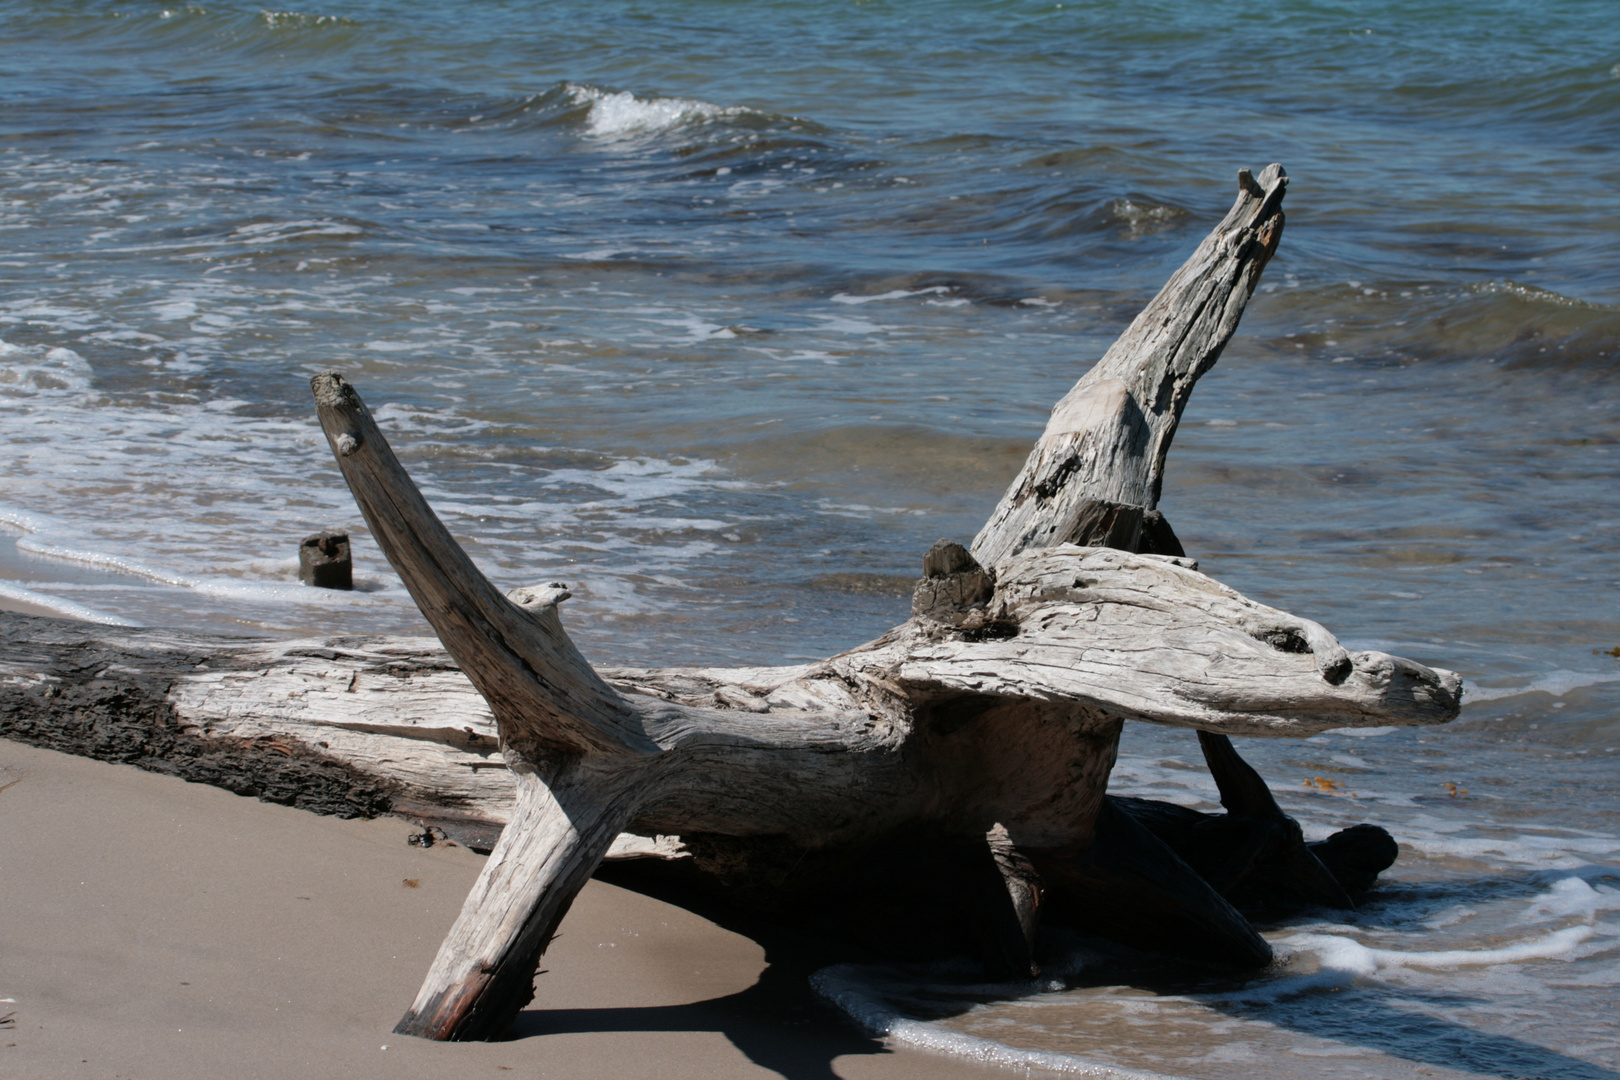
pixel 537 685
pixel 562 826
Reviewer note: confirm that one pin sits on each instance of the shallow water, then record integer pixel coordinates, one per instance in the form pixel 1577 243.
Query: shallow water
pixel 723 313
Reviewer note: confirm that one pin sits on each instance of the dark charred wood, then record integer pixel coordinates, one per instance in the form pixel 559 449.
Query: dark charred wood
pixel 1255 853
pixel 1354 857
pixel 1169 822
pixel 954 588
pixel 126 717
pixel 324 561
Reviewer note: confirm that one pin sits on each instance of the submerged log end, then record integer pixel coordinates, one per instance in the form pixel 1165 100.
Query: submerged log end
pixel 1357 855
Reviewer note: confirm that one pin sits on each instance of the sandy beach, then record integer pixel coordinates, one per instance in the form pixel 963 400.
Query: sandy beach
pixel 159 929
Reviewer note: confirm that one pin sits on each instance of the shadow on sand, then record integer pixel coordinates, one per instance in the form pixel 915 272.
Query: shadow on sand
pixel 781 1025
pixel 778 1023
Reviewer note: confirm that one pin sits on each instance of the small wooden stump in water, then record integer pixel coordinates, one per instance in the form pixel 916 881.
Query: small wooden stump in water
pixel 323 561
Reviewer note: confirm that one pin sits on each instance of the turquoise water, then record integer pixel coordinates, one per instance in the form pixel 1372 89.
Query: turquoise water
pixel 724 312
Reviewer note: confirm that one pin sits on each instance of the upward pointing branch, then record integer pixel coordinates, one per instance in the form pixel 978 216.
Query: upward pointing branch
pixel 544 695
pixel 1100 463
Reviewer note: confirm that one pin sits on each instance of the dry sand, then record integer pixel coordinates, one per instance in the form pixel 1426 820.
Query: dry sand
pixel 160 930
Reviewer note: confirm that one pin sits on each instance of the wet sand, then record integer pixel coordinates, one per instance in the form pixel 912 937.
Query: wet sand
pixel 20 571
pixel 158 929
pixel 11 603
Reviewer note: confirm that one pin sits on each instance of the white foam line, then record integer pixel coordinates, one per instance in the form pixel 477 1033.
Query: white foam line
pixel 1556 683
pixel 1571 897
pixel 1343 954
pixel 67 608
pixel 1362 733
pixel 228 589
pixel 1525 849
pixel 1344 961
pixel 892 294
pixel 848 994
pixel 114 563
pixel 20 519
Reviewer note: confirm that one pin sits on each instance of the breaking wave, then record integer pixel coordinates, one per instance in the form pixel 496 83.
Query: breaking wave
pixel 622 115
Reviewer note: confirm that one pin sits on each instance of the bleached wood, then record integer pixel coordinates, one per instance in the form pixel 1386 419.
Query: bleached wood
pixel 395 712
pixel 1100 462
pixel 995 710
pixel 1145 637
pixel 540 689
pixel 564 823
pixel 1149 638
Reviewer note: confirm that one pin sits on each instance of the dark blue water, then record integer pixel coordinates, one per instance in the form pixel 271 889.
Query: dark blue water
pixel 723 312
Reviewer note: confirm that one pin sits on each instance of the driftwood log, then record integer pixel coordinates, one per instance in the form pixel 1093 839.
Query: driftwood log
pixel 967 750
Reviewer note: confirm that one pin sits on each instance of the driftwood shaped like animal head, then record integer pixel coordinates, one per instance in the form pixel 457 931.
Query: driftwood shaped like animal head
pixel 1148 637
pixel 996 706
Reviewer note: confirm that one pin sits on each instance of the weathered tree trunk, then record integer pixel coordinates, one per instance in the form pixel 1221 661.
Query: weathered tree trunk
pixel 987 723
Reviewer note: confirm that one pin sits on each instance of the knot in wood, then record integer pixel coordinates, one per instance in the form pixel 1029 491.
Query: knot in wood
pixel 954 588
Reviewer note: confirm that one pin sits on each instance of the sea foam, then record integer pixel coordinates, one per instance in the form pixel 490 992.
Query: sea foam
pixel 39 369
pixel 624 115
pixel 67 609
pixel 849 987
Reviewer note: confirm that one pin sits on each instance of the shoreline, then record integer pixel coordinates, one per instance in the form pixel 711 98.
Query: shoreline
pixel 20 570
pixel 24 607
pixel 176 929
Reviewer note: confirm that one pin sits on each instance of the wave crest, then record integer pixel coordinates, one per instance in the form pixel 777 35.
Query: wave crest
pixel 32 370
pixel 622 115
pixel 298 20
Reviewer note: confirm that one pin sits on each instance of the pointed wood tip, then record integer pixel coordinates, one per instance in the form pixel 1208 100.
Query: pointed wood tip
pixel 341 412
pixel 1272 176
